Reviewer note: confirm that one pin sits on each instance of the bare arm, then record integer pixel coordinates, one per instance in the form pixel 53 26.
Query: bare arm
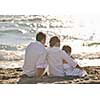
pixel 41 64
pixel 39 72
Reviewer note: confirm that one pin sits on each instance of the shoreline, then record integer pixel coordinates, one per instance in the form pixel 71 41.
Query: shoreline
pixel 16 60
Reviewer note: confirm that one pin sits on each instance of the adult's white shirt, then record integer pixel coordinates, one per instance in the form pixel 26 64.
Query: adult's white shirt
pixel 35 57
pixel 55 58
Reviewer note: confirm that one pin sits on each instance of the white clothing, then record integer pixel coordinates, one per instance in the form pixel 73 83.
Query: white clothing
pixel 35 57
pixel 55 58
pixel 71 71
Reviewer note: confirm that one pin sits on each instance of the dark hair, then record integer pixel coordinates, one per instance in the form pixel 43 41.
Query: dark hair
pixel 40 36
pixel 67 48
pixel 54 40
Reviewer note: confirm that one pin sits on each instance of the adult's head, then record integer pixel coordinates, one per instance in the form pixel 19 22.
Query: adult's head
pixel 67 49
pixel 54 42
pixel 41 37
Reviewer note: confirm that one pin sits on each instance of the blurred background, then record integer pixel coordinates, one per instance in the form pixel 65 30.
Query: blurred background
pixel 81 32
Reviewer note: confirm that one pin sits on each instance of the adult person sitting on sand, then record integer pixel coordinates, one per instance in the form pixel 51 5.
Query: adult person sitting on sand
pixel 55 57
pixel 35 57
pixel 70 70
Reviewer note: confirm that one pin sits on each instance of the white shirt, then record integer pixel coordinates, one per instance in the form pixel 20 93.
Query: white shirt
pixel 35 57
pixel 55 58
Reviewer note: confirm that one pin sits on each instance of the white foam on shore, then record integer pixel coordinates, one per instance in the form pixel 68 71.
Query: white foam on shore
pixel 11 64
pixel 11 55
pixel 88 62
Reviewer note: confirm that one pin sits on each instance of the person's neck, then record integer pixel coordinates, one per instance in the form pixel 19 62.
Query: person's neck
pixel 40 42
pixel 56 46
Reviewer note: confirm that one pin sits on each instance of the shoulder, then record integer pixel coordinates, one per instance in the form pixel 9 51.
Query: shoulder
pixel 30 44
pixel 63 52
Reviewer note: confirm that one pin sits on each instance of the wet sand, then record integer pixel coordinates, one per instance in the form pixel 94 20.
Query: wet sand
pixel 14 76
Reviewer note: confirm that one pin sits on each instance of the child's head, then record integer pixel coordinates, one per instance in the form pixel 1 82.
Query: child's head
pixel 67 49
pixel 54 41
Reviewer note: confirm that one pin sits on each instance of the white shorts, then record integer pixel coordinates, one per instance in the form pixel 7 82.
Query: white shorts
pixel 71 71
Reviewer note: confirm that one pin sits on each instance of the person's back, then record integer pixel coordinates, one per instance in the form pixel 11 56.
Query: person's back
pixel 70 70
pixel 35 57
pixel 55 58
pixel 55 62
pixel 33 53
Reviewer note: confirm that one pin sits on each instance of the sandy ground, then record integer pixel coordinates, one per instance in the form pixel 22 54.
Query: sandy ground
pixel 14 76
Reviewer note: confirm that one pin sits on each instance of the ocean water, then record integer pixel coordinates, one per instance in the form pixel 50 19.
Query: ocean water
pixel 16 32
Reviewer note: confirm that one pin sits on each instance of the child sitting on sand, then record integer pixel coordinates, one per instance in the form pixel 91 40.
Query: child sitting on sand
pixel 69 70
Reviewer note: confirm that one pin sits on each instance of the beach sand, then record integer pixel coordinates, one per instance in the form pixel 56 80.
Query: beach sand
pixel 14 76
